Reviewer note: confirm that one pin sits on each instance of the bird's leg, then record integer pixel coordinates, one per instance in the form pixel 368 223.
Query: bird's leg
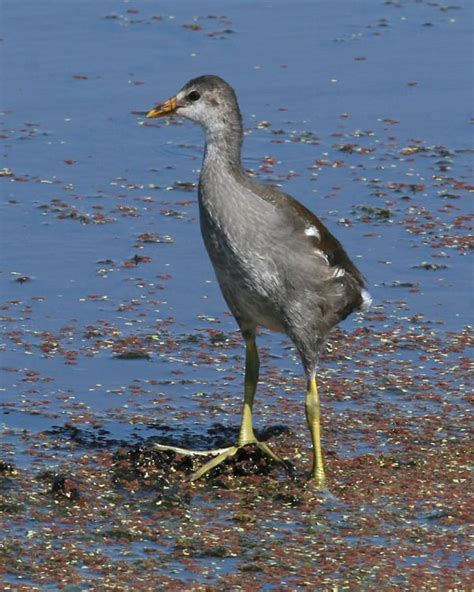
pixel 252 367
pixel 246 434
pixel 313 418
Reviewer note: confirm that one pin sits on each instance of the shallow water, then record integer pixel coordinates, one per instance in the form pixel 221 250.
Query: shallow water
pixel 364 114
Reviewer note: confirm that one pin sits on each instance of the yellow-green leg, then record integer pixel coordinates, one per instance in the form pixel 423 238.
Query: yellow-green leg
pixel 246 434
pixel 313 418
pixel 252 368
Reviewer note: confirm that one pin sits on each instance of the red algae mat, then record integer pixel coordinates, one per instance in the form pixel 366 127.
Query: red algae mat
pixel 114 335
pixel 395 516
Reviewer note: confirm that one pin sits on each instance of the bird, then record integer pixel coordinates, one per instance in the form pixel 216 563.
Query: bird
pixel 277 265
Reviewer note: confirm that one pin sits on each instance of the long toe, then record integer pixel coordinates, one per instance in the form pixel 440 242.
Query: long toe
pixel 214 463
pixel 187 451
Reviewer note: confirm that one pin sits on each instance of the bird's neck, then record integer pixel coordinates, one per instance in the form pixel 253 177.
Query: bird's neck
pixel 223 147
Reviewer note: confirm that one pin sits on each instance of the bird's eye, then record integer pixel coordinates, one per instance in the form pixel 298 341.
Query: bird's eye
pixel 194 95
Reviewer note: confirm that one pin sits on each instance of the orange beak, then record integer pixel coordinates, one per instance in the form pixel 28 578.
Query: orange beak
pixel 167 108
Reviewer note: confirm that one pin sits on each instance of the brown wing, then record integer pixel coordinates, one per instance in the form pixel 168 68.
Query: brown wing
pixel 301 217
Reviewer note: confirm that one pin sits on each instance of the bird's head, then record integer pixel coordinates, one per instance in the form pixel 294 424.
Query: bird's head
pixel 208 100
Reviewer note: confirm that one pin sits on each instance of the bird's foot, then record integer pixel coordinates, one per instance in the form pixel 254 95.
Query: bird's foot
pixel 231 451
pixel 220 455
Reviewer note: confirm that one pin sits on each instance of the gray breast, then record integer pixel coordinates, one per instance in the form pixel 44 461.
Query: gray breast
pixel 237 228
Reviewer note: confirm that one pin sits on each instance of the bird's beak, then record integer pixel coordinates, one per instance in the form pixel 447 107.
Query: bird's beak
pixel 167 108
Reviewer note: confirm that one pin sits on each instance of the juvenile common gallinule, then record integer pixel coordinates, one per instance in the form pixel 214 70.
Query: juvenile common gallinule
pixel 277 265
